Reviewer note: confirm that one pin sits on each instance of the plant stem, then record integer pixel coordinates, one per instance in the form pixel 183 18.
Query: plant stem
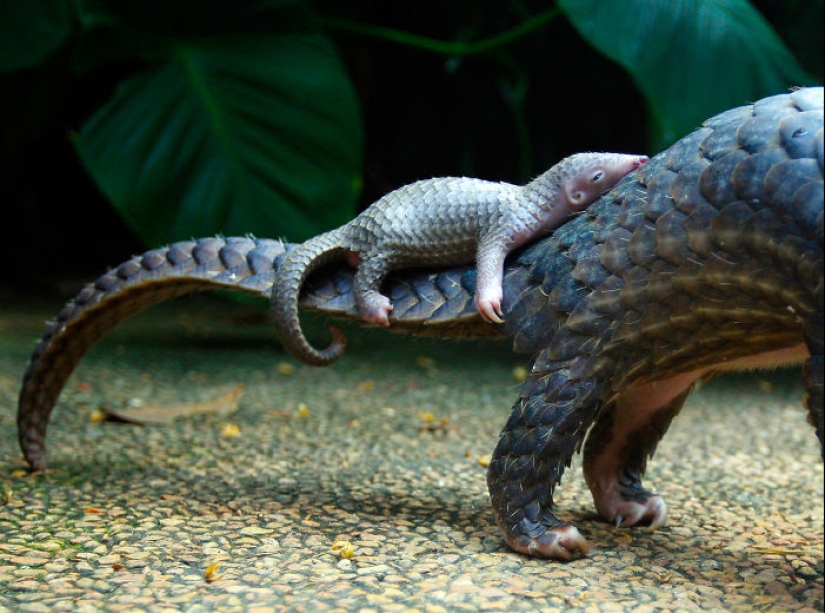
pixel 440 46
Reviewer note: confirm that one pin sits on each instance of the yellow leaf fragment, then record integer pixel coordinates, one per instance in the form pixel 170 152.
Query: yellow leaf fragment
pixel 211 573
pixel 520 373
pixel 230 431
pixel 345 549
pixel 97 416
pixel 427 417
pixel 430 423
pixel 285 368
pixel 9 499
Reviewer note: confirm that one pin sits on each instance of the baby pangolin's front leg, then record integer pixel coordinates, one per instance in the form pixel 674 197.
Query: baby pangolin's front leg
pixel 537 209
pixel 490 266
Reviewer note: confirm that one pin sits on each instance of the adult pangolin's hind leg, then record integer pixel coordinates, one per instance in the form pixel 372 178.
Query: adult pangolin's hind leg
pixel 545 429
pixel 814 375
pixel 617 449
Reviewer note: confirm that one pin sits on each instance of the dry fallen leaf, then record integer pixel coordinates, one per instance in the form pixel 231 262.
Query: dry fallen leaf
pixel 97 416
pixel 230 431
pixel 211 573
pixel 10 500
pixel 520 373
pixel 163 414
pixel 285 368
pixel 345 549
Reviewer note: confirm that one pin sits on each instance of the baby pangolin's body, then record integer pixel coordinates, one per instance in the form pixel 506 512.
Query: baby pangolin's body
pixel 441 221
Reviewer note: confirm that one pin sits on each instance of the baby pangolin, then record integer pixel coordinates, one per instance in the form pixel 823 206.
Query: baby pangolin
pixel 441 221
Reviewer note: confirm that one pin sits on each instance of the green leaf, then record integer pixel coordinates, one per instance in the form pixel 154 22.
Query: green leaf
pixel 30 30
pixel 236 133
pixel 116 31
pixel 690 58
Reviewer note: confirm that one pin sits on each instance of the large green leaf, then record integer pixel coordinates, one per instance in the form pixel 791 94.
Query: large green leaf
pixel 234 133
pixel 690 58
pixel 30 30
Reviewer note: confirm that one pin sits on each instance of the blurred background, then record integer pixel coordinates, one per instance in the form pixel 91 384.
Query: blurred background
pixel 125 125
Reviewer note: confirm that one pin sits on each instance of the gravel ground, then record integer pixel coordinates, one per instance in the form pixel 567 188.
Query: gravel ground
pixel 359 487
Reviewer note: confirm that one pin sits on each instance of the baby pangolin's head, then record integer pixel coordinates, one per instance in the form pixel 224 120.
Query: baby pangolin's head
pixel 586 176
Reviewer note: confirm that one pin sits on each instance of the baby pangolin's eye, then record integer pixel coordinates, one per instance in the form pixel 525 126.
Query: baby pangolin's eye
pixel 597 177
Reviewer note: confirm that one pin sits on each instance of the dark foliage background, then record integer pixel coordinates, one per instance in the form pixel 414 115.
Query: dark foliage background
pixel 417 110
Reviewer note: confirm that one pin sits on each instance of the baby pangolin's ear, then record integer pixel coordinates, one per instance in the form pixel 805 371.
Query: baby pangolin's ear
pixel 576 197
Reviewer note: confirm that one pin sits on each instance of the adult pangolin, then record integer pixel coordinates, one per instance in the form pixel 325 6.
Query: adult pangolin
pixel 707 258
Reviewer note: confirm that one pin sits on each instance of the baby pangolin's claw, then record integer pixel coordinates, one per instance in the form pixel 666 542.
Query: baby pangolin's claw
pixel 490 310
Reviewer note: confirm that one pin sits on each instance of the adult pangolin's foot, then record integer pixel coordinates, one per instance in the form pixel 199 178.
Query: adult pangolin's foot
pixel 557 541
pixel 620 497
pixel 620 512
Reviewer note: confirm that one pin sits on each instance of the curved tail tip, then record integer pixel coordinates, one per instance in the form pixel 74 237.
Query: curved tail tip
pixel 339 339
pixel 334 351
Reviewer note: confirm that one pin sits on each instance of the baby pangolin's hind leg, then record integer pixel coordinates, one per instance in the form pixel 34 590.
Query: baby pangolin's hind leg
pixel 373 306
pixel 624 437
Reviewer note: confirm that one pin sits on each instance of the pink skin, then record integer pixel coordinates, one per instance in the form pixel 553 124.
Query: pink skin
pixel 635 408
pixel 580 191
pixel 374 307
pixel 565 543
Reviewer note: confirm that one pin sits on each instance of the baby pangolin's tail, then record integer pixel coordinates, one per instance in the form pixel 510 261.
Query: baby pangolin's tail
pixel 290 277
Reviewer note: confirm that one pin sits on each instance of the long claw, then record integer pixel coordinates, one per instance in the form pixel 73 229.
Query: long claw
pixel 490 311
pixel 494 318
